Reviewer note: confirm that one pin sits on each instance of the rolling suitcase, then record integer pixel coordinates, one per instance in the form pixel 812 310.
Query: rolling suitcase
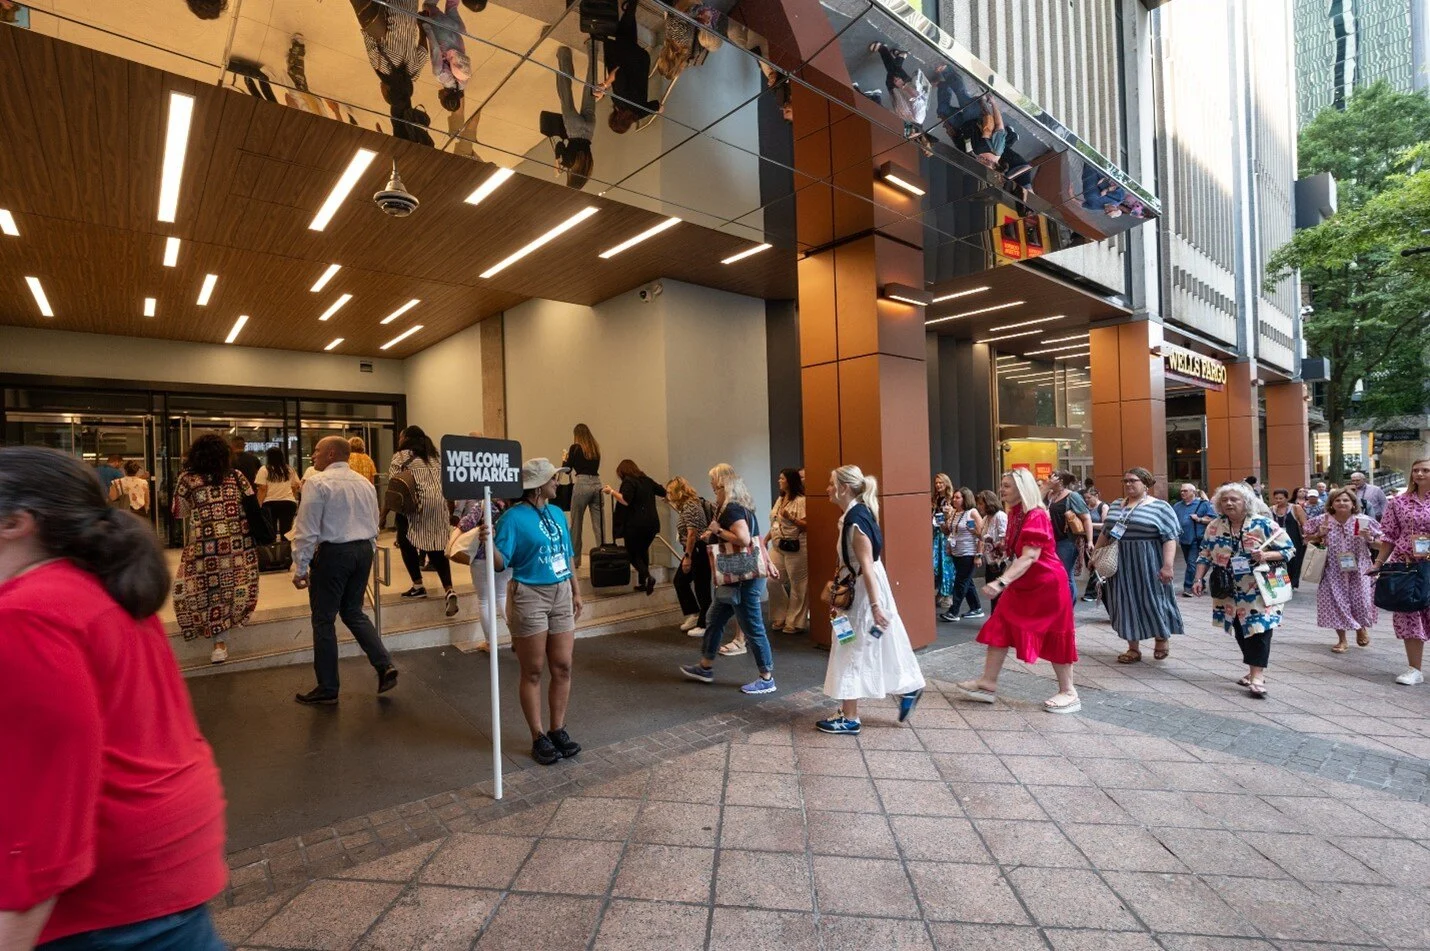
pixel 600 19
pixel 610 565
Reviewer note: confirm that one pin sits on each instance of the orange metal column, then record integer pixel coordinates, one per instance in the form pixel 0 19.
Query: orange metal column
pixel 1129 405
pixel 1233 428
pixel 1288 442
pixel 861 357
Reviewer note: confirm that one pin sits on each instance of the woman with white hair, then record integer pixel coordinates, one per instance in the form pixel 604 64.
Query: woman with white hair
pixel 740 566
pixel 1033 613
pixel 1140 599
pixel 1239 542
pixel 870 656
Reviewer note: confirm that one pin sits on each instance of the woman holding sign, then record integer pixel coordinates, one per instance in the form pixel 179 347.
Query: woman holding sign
pixel 532 540
pixel 870 655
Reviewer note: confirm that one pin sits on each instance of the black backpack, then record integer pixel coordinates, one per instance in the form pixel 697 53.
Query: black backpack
pixel 600 19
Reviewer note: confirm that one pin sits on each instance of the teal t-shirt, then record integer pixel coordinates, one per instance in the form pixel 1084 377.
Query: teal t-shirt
pixel 535 544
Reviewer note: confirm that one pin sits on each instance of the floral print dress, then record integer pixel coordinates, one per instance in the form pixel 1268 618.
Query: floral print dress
pixel 1407 517
pixel 1344 597
pixel 217 587
pixel 1219 546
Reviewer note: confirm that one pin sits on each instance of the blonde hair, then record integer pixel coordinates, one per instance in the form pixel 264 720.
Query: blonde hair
pixel 679 491
pixel 724 476
pixel 356 444
pixel 1029 495
pixel 864 487
pixel 938 497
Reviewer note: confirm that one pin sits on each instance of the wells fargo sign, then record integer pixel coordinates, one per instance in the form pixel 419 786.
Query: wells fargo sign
pixel 1193 367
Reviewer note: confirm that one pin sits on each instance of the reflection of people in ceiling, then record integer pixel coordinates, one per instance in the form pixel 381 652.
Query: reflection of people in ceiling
pixel 779 82
pixel 685 45
pixel 1101 193
pixel 953 86
pixel 396 51
pixel 572 140
pixel 627 74
pixel 207 9
pixel 910 96
pixel 443 31
pixel 14 13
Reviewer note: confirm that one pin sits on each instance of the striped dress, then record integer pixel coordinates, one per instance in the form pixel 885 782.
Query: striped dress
pixel 429 529
pixel 1139 602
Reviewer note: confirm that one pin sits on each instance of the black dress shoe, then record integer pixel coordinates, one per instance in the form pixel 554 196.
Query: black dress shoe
pixel 386 679
pixel 316 696
pixel 566 746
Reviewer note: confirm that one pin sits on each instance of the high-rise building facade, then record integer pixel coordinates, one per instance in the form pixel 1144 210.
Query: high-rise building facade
pixel 1344 45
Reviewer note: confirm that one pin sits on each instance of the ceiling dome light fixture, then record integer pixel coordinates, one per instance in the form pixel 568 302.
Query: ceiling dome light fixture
pixel 395 200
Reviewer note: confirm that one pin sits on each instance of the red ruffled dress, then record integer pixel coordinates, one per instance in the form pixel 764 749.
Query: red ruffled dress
pixel 1034 614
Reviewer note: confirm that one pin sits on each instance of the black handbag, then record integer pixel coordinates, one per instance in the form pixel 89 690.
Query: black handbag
pixel 1221 584
pixel 1403 587
pixel 564 492
pixel 260 523
pixel 275 557
pixel 788 544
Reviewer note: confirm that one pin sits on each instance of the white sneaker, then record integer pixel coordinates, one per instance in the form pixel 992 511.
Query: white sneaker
pixel 690 621
pixel 1411 677
pixel 696 632
pixel 220 655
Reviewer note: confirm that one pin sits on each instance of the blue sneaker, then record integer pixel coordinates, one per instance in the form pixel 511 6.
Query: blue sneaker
pixel 762 685
pixel 907 702
pixel 839 724
pixel 706 675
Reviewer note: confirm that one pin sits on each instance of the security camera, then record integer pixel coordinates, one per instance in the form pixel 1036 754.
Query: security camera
pixel 651 291
pixel 395 200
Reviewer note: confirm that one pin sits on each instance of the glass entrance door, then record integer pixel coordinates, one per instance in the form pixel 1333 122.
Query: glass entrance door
pixel 91 438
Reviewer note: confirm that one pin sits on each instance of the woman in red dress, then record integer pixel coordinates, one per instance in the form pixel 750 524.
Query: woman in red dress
pixel 1033 613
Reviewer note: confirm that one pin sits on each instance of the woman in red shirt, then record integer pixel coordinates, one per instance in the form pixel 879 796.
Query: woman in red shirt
pixel 111 812
pixel 1034 613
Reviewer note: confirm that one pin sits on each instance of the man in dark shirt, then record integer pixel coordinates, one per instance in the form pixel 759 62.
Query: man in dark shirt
pixel 243 460
pixel 107 473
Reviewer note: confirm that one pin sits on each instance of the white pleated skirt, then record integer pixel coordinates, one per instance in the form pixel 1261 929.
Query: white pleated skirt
pixel 869 667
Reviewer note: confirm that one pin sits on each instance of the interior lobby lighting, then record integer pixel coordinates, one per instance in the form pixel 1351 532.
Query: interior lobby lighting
pixel 237 326
pixel 1065 339
pixel 401 337
pixel 906 294
pixel 40 298
pixel 7 223
pixel 901 178
pixel 1021 333
pixel 1073 356
pixel 207 290
pixel 549 236
pixel 1009 356
pixel 327 276
pixel 171 251
pixel 493 182
pixel 176 143
pixel 632 242
pixel 337 305
pixel 334 344
pixel 746 253
pixel 401 310
pixel 1029 377
pixel 345 184
pixel 150 305
pixel 1074 346
pixel 975 313
pixel 1024 323
pixel 957 294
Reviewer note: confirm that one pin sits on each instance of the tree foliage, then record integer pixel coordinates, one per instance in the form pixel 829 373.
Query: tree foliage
pixel 1371 305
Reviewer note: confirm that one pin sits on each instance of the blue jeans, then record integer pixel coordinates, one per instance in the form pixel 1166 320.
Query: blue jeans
pixel 742 599
pixel 1067 554
pixel 191 930
pixel 1189 555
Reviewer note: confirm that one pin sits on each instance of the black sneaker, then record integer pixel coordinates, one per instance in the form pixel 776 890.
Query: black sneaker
pixel 976 613
pixel 415 592
pixel 544 751
pixel 316 696
pixel 386 678
pixel 948 616
pixel 566 746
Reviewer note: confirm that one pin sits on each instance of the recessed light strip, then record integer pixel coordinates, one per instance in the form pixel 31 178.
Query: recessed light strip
pixel 1065 339
pixel 40 298
pixel 549 236
pixel 150 305
pixel 648 233
pixel 337 305
pixel 322 282
pixel 345 184
pixel 176 144
pixel 207 290
pixel 957 294
pixel 7 223
pixel 1073 356
pixel 493 182
pixel 401 337
pixel 1024 323
pixel 1075 346
pixel 1023 333
pixel 975 313
pixel 171 251
pixel 334 344
pixel 899 182
pixel 401 310
pixel 746 253
pixel 237 326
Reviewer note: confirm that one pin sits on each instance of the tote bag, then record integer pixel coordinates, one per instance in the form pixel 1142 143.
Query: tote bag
pixel 732 564
pixel 1313 564
pixel 1403 587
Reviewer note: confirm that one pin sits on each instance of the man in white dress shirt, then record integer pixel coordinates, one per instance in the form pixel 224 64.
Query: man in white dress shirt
pixel 333 538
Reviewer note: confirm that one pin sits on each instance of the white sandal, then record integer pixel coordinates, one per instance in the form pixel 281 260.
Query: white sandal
pixel 971 691
pixel 1073 705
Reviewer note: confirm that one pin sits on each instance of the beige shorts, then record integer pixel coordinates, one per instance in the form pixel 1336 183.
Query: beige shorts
pixel 539 609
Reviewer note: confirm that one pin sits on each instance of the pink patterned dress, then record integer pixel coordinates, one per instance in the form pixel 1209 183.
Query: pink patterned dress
pixel 1344 599
pixel 1406 518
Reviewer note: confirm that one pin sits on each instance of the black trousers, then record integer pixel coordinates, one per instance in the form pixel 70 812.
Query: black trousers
pixel 693 587
pixel 412 558
pixel 283 513
pixel 337 580
pixel 963 586
pixel 1256 648
pixel 638 539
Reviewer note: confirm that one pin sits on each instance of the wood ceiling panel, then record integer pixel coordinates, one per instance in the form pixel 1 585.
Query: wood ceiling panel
pixel 81 169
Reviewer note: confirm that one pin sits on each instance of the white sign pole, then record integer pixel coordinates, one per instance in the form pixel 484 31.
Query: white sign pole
pixel 490 620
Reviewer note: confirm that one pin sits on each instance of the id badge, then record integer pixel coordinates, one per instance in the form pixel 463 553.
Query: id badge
pixel 558 563
pixel 1348 561
pixel 843 630
pixel 1422 546
pixel 1117 530
pixel 1240 564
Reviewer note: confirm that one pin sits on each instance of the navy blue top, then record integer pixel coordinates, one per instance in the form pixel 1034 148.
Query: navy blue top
pixel 860 515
